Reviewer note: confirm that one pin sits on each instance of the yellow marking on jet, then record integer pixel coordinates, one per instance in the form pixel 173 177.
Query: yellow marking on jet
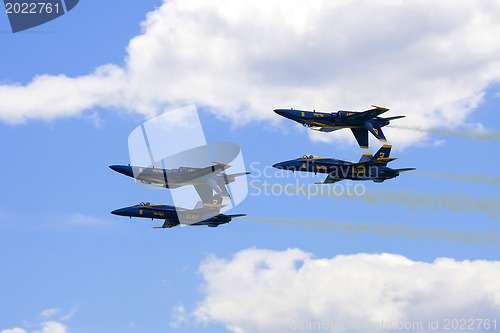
pixel 222 164
pixel 380 107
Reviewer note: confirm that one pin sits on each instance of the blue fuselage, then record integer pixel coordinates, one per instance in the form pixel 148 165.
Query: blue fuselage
pixel 169 178
pixel 339 169
pixel 202 216
pixel 323 119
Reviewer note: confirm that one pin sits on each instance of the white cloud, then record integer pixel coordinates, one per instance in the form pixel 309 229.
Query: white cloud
pixel 52 327
pixel 14 330
pixel 179 316
pixel 49 312
pixel 430 61
pixel 47 327
pixel 281 291
pixel 70 314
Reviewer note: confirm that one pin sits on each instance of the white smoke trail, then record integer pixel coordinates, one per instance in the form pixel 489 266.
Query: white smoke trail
pixel 486 238
pixel 455 202
pixel 476 179
pixel 465 133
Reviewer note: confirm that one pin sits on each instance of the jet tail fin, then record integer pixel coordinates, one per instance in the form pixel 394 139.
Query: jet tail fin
pixel 361 135
pixel 375 129
pixel 382 155
pixel 216 203
pixel 199 204
pixel 365 157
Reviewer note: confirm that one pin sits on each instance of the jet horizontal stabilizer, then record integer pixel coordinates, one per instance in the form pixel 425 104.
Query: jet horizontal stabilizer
pixel 405 169
pixel 214 205
pixel 236 215
pixel 393 118
pixel 387 159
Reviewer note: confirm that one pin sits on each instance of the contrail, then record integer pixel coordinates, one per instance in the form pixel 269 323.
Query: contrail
pixel 456 202
pixel 484 178
pixel 486 238
pixel 466 133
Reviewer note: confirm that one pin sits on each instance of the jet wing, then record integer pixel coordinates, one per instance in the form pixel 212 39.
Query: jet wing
pixel 326 129
pixel 330 180
pixel 167 224
pixel 369 114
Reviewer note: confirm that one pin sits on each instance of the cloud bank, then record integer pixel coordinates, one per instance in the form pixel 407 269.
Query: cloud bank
pixel 281 291
pixel 241 59
pixel 47 327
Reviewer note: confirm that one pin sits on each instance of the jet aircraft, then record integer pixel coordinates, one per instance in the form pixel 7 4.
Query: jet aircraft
pixel 369 167
pixel 202 214
pixel 359 122
pixel 203 179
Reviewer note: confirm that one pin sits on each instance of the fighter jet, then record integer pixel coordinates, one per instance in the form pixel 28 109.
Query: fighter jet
pixel 359 122
pixel 369 167
pixel 203 179
pixel 202 214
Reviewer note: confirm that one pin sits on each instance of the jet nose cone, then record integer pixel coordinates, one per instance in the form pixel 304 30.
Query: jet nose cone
pixel 280 165
pixel 116 168
pixel 123 169
pixel 121 212
pixel 282 112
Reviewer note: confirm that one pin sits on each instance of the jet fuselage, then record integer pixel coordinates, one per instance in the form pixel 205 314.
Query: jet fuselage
pixel 338 169
pixel 338 119
pixel 173 215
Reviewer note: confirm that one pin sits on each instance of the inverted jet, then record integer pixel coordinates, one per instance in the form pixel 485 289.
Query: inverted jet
pixel 360 123
pixel 369 167
pixel 205 180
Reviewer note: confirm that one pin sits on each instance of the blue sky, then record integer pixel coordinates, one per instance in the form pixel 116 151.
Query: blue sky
pixel 60 248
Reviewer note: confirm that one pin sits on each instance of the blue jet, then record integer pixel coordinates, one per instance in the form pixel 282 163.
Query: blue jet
pixel 360 123
pixel 369 167
pixel 203 179
pixel 202 214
